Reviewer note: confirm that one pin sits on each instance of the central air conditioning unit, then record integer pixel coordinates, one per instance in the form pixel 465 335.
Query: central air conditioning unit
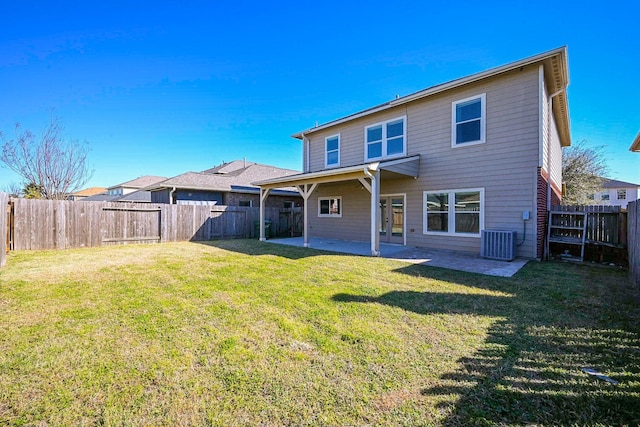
pixel 498 244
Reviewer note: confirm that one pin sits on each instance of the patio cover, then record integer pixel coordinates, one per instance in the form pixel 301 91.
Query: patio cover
pixel 369 175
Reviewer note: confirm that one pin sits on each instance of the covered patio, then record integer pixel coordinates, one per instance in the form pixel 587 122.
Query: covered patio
pixel 369 175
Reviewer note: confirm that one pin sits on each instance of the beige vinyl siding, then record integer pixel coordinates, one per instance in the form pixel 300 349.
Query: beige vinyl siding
pixel 356 208
pixel 505 166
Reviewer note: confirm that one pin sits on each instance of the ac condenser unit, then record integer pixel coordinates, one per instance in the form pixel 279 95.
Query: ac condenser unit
pixel 498 244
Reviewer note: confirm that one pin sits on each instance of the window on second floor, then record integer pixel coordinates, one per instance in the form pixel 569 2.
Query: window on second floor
pixel 468 119
pixel 604 196
pixel 622 194
pixel 332 151
pixel 386 139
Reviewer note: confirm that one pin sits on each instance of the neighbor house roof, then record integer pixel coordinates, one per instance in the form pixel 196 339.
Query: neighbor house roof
pixel 612 183
pixel 135 196
pixel 635 146
pixel 140 182
pixel 91 191
pixel 230 167
pixel 237 180
pixel 556 77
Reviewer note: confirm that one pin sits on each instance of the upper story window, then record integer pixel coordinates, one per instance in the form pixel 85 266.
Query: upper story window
pixel 604 196
pixel 386 139
pixel 468 119
pixel 622 194
pixel 332 151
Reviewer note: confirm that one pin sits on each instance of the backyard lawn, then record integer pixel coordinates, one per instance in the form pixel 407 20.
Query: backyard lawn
pixel 249 333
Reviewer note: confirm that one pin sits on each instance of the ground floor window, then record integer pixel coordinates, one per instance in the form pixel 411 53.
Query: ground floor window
pixel 245 203
pixel 330 206
pixel 456 212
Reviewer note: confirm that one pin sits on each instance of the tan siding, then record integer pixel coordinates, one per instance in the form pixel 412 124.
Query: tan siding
pixel 356 208
pixel 505 166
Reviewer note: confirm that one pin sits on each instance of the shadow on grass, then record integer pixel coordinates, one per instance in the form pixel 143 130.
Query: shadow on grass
pixel 254 247
pixel 558 320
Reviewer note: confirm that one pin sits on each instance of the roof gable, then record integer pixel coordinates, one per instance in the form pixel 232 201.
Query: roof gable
pixel 556 78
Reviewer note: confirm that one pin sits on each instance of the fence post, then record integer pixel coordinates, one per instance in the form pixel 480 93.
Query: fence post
pixel 4 225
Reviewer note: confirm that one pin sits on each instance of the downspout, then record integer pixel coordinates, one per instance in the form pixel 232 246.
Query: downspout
pixel 171 195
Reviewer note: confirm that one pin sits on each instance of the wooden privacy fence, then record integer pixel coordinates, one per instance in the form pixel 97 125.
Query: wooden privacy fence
pixel 5 220
pixel 606 225
pixel 52 224
pixel 633 210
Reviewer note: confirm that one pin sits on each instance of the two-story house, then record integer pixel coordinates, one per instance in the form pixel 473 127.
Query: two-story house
pixel 616 193
pixel 437 167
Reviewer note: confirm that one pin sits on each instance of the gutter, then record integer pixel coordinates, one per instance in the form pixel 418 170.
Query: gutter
pixel 171 195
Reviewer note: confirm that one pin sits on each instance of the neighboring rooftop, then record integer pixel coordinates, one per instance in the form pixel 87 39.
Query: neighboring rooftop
pixel 230 167
pixel 635 146
pixel 612 183
pixel 91 191
pixel 135 196
pixel 140 182
pixel 233 176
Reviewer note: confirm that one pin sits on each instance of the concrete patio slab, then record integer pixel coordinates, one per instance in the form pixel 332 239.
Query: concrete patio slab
pixel 432 257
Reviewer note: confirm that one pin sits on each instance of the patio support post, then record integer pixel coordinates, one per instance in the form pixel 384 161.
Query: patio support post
pixel 375 200
pixel 305 191
pixel 264 193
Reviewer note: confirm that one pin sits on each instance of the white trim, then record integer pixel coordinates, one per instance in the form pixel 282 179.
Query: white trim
pixel 384 141
pixel 451 213
pixel 326 152
pixel 404 213
pixel 483 121
pixel 330 215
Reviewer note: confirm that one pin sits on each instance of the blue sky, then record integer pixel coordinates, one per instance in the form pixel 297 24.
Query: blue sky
pixel 162 88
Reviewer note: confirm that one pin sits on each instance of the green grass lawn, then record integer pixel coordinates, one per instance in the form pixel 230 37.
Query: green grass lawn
pixel 248 333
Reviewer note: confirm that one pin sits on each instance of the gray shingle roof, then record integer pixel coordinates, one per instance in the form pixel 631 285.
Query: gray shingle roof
pixel 141 182
pixel 612 183
pixel 230 179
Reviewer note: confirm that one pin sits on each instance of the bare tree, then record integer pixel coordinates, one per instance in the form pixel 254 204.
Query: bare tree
pixel 583 171
pixel 55 165
pixel 13 189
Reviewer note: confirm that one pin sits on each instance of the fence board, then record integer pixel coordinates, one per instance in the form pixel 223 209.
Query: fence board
pixel 48 224
pixel 633 227
pixel 4 225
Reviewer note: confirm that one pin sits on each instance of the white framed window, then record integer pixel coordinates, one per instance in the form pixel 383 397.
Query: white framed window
pixel 386 139
pixel 454 212
pixel 622 194
pixel 332 151
pixel 604 196
pixel 468 119
pixel 245 203
pixel 330 206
